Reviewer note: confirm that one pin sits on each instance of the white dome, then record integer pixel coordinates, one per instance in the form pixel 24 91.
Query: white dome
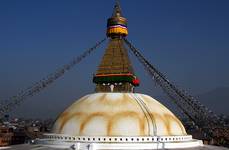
pixel 118 114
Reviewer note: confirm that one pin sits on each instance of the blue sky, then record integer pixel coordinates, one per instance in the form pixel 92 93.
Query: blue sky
pixel 188 40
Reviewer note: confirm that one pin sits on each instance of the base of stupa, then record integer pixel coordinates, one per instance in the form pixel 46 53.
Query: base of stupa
pixel 98 142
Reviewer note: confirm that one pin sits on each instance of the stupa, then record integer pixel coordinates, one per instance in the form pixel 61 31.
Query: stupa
pixel 115 117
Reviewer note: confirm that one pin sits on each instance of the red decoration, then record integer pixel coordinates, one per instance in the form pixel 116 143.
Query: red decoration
pixel 136 81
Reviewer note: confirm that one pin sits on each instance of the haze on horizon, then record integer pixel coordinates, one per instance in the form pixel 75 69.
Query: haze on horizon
pixel 186 40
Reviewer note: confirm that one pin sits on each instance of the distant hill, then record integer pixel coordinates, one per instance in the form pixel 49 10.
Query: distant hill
pixel 217 100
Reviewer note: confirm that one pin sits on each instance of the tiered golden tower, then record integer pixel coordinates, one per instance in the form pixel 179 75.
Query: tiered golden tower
pixel 115 72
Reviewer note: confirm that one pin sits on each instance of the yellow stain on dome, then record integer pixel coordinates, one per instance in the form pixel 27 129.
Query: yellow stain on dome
pixel 117 114
pixel 132 117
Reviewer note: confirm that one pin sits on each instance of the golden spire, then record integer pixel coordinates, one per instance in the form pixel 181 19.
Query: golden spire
pixel 117 9
pixel 117 25
pixel 115 72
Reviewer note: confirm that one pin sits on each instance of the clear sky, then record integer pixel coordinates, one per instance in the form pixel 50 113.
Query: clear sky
pixel 188 40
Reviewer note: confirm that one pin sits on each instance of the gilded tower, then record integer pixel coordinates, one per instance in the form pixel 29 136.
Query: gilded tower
pixel 115 72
